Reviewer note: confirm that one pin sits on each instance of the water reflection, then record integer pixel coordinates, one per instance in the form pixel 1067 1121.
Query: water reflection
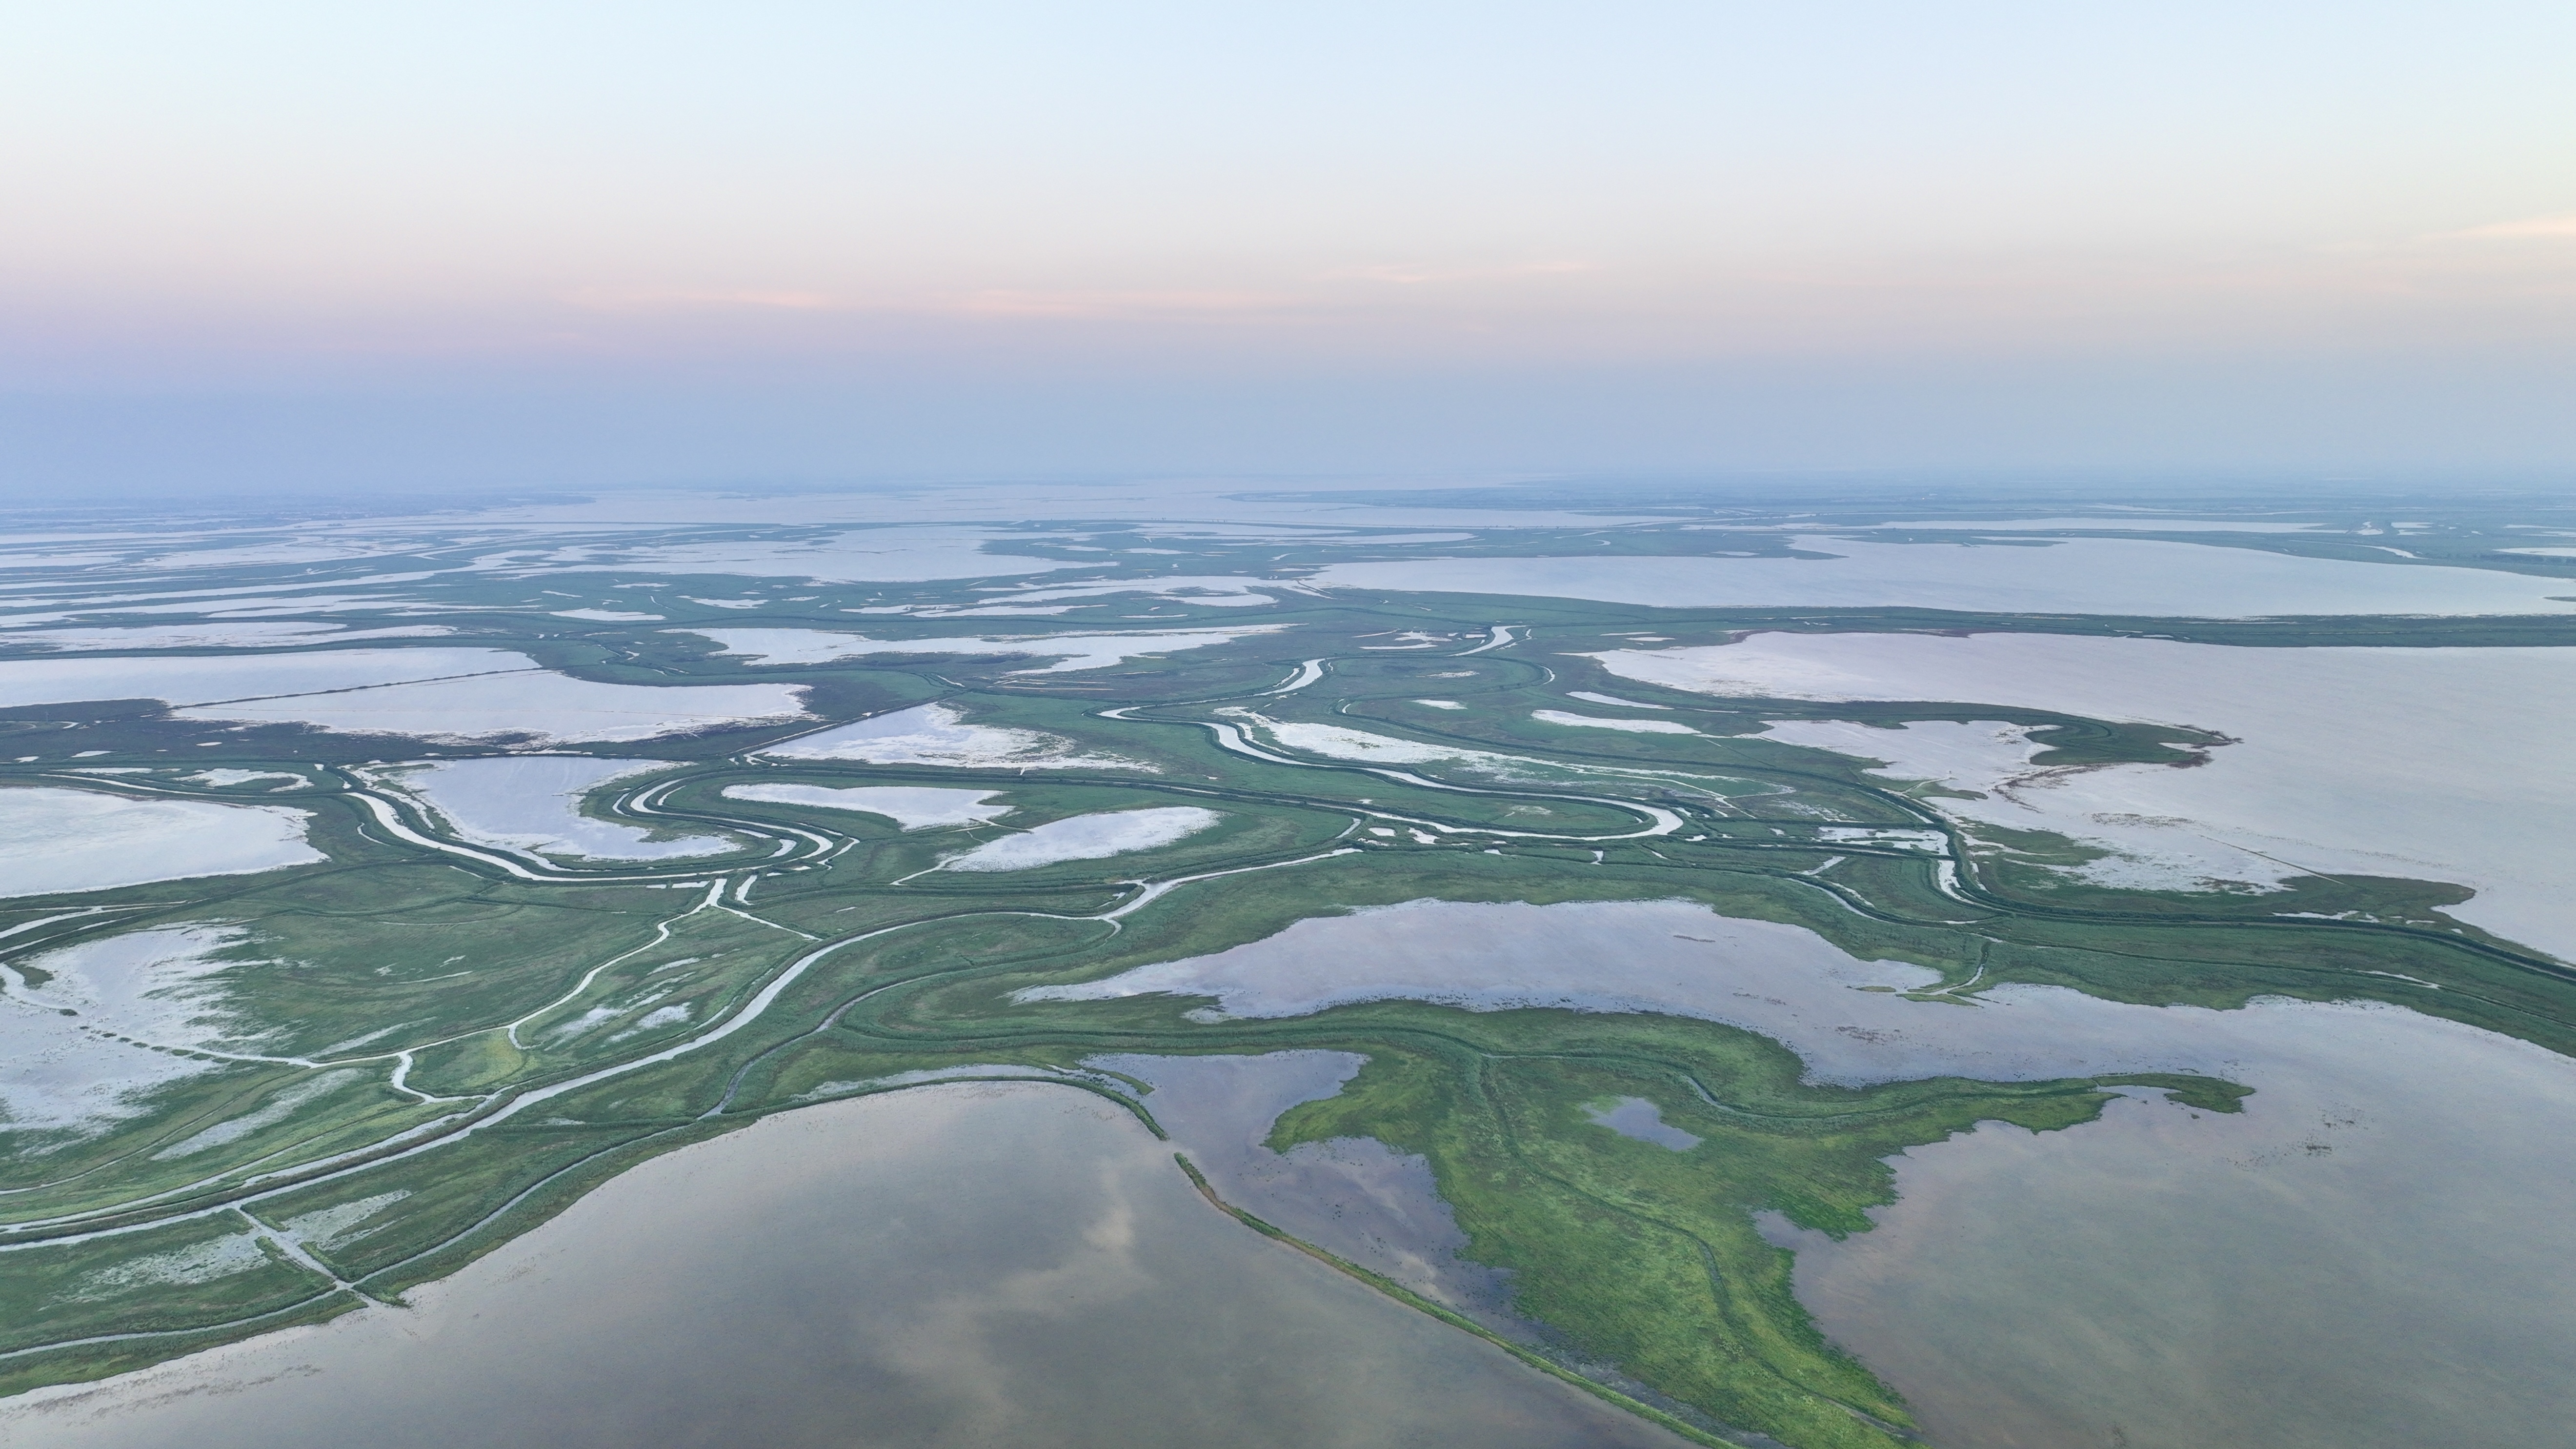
pixel 990 1265
pixel 1356 1197
pixel 2380 1251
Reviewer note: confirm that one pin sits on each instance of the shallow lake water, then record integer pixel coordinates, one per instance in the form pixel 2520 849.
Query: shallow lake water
pixel 1071 652
pixel 937 734
pixel 431 693
pixel 985 1265
pixel 1086 837
pixel 2067 576
pixel 2379 1251
pixel 2353 1264
pixel 914 807
pixel 2345 761
pixel 68 1057
pixel 533 803
pixel 185 680
pixel 1356 1197
pixel 912 554
pixel 55 840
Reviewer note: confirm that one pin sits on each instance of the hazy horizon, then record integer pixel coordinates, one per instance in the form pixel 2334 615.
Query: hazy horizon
pixel 287 246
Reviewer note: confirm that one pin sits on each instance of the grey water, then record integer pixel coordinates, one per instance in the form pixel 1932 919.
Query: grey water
pixel 1355 1197
pixel 1643 1120
pixel 2378 1252
pixel 980 1265
pixel 2376 1255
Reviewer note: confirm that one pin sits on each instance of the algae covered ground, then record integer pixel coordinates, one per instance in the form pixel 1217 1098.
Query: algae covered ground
pixel 243 1101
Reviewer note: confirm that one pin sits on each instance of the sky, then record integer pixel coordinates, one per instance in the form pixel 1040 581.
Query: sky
pixel 309 245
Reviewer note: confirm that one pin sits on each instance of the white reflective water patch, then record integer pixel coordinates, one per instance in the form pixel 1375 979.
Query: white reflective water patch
pixel 537 708
pixel 54 840
pixel 1206 591
pixel 241 635
pixel 224 779
pixel 1588 697
pixel 212 679
pixel 914 807
pixel 1086 837
pixel 875 555
pixel 429 693
pixel 533 802
pixel 1339 742
pixel 1072 652
pixel 938 734
pixel 1596 722
pixel 62 1064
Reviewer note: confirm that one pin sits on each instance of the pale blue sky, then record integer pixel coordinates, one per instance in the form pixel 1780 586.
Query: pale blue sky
pixel 499 242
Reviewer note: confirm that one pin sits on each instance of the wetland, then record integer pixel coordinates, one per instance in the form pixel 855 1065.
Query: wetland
pixel 1301 985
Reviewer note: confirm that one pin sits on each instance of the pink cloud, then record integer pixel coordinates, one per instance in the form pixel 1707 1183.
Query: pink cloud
pixel 2538 228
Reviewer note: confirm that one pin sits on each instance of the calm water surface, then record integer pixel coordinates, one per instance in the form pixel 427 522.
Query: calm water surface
pixel 987 1266
pixel 2379 1252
